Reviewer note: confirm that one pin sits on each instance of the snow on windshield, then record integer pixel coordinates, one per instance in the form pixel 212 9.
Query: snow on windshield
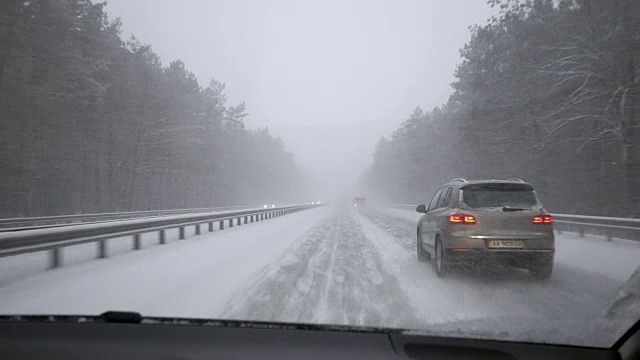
pixel 212 159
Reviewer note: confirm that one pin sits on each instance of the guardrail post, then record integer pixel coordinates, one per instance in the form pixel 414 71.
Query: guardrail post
pixel 136 242
pixel 210 226
pixel 56 258
pixel 181 232
pixel 197 229
pixel 581 231
pixel 102 249
pixel 163 237
pixel 231 222
pixel 221 224
pixel 239 222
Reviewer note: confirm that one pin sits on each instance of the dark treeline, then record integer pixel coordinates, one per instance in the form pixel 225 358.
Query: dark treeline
pixel 545 92
pixel 91 123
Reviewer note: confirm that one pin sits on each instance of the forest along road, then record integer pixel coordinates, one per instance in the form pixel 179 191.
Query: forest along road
pixel 336 265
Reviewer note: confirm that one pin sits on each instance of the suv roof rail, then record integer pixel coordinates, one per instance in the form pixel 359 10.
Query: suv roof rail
pixel 458 179
pixel 516 179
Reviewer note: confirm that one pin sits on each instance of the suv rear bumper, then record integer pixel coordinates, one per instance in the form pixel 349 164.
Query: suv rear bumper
pixel 512 257
pixel 537 242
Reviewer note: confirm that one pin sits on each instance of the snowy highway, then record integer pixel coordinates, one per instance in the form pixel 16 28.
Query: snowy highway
pixel 332 265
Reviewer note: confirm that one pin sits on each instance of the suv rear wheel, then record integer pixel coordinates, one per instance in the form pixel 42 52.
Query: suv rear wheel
pixel 422 255
pixel 542 269
pixel 442 266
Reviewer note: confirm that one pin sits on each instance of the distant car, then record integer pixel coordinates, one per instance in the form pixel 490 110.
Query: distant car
pixel 269 206
pixel 359 201
pixel 478 222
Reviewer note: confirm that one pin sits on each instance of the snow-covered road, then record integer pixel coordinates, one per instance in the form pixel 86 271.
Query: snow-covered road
pixel 339 266
pixel 190 278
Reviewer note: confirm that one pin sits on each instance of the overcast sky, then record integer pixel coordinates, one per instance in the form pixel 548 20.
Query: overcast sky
pixel 330 77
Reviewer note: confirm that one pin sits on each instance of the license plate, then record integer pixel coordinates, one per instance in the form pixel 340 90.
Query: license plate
pixel 505 244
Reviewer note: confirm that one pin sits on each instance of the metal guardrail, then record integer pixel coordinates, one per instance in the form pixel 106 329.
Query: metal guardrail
pixel 609 227
pixel 24 223
pixel 56 238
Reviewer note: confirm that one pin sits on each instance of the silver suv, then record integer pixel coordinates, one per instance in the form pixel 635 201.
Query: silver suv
pixel 473 223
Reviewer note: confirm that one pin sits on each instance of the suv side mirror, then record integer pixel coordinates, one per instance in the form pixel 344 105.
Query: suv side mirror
pixel 421 209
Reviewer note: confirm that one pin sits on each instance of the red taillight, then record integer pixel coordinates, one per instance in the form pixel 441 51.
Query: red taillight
pixel 462 219
pixel 543 219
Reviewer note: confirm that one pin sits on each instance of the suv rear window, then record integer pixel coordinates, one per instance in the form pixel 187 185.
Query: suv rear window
pixel 498 195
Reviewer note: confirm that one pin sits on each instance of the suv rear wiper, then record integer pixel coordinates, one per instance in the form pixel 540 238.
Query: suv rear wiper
pixel 510 208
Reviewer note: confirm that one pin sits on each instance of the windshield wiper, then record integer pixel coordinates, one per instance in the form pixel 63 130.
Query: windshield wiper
pixel 511 208
pixel 127 317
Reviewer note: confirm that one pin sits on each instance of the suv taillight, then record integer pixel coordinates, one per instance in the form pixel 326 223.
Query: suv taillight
pixel 543 219
pixel 462 219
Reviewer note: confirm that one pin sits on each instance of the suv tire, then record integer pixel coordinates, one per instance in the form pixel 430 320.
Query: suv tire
pixel 422 255
pixel 542 269
pixel 442 266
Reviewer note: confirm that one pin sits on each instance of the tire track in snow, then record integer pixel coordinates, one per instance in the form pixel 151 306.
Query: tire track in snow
pixel 403 231
pixel 336 276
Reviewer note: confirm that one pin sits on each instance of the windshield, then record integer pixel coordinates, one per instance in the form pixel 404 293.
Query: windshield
pixel 266 160
pixel 480 196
